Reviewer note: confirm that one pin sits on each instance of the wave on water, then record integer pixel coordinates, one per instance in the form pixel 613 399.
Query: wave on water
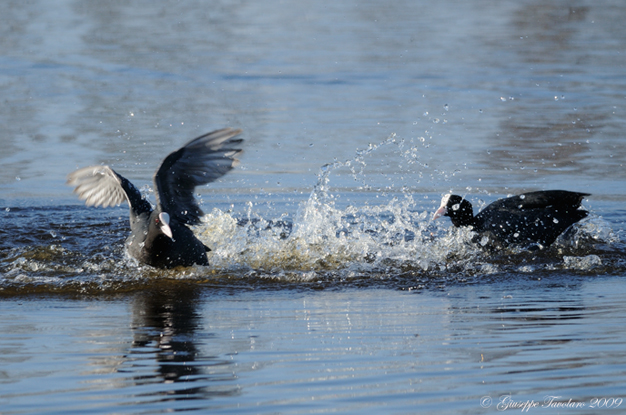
pixel 80 250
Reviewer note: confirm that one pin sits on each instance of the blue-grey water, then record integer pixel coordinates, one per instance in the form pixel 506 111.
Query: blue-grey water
pixel 330 288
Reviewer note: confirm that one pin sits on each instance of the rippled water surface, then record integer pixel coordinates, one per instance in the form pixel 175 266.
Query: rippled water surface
pixel 330 288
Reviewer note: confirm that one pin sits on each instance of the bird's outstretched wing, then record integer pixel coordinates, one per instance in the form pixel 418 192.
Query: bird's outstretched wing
pixel 102 186
pixel 201 161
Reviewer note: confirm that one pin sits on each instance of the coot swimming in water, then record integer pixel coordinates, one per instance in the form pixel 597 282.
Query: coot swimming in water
pixel 160 237
pixel 526 219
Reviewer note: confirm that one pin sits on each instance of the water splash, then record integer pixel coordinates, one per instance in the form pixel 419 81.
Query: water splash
pixel 323 237
pixel 396 237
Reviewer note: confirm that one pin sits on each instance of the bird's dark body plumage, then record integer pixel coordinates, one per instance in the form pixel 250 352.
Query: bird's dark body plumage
pixel 526 219
pixel 160 237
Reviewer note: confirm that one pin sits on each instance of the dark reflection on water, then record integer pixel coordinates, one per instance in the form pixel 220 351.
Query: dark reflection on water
pixel 552 29
pixel 166 327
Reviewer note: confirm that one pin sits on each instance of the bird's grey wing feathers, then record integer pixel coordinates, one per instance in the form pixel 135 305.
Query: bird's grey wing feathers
pixel 201 161
pixel 102 186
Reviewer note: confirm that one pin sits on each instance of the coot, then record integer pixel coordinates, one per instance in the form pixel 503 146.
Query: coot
pixel 526 219
pixel 160 237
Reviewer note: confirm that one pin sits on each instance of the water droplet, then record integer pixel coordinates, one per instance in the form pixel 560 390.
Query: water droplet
pixel 18 178
pixel 522 197
pixel 445 107
pixel 7 209
pixel 555 220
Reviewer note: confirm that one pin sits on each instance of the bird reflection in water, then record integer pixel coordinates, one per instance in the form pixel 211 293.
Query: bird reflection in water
pixel 169 349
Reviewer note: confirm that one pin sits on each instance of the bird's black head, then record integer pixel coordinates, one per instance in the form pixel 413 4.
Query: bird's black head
pixel 458 209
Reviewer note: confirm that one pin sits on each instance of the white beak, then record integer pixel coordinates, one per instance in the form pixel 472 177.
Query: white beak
pixel 164 224
pixel 443 209
pixel 440 212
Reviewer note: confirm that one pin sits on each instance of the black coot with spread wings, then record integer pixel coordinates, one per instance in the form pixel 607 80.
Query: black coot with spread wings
pixel 160 237
pixel 526 219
